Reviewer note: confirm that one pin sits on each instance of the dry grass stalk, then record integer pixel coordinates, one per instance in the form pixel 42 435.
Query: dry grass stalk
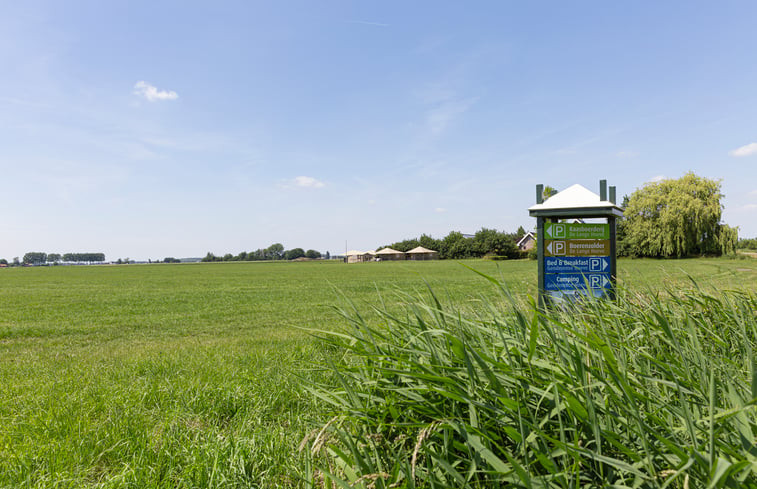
pixel 425 432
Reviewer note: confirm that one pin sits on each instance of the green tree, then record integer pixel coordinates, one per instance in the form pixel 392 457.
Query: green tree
pixel 312 254
pixel 747 244
pixel 488 241
pixel 35 258
pixel 455 245
pixel 294 254
pixel 548 192
pixel 403 246
pixel 53 257
pixel 429 243
pixel 275 252
pixel 677 218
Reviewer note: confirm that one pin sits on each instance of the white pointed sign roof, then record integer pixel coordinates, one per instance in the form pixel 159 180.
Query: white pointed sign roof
pixel 576 201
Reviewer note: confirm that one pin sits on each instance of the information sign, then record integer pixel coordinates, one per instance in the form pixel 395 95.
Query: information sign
pixel 577 281
pixel 576 247
pixel 554 264
pixel 564 230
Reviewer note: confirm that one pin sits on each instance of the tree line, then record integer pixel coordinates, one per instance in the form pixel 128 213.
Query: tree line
pixel 747 244
pixel 274 252
pixel 41 258
pixel 456 245
pixel 453 246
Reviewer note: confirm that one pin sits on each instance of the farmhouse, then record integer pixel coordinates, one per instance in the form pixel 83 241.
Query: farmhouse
pixel 527 241
pixel 421 253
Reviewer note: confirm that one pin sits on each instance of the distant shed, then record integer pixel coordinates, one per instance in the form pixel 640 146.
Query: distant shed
pixel 390 254
pixel 354 256
pixel 421 253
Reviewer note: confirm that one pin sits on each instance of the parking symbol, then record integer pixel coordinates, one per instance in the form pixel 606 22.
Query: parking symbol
pixel 595 265
pixel 559 247
pixel 558 230
pixel 595 281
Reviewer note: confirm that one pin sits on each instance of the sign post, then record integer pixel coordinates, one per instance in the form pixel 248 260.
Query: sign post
pixel 576 259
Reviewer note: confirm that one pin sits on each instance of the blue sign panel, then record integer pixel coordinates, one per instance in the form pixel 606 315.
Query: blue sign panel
pixel 577 281
pixel 576 264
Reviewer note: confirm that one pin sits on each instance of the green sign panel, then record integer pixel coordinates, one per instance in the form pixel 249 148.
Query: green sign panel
pixel 564 230
pixel 576 247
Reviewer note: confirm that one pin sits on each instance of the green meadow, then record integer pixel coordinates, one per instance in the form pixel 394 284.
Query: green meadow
pixel 198 375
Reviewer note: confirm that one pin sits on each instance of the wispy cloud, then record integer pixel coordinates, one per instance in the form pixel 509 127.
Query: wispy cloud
pixel 746 150
pixel 307 182
pixel 657 178
pixel 749 207
pixel 365 22
pixel 440 210
pixel 627 154
pixel 441 116
pixel 152 94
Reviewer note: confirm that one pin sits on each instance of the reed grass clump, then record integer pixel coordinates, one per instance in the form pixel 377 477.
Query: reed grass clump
pixel 654 390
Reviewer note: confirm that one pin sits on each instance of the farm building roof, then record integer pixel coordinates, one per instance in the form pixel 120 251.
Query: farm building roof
pixel 525 237
pixel 356 252
pixel 388 251
pixel 421 249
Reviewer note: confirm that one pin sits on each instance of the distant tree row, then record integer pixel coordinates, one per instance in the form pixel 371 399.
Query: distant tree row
pixel 747 244
pixel 40 258
pixel 456 245
pixel 274 252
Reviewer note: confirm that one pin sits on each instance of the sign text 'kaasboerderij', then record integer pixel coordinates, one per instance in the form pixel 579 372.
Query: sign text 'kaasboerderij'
pixel 577 281
pixel 564 230
pixel 554 264
pixel 577 247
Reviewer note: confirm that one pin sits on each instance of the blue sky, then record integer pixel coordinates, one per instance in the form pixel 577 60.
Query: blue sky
pixel 153 129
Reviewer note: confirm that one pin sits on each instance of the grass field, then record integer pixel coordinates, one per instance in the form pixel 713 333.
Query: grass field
pixel 193 375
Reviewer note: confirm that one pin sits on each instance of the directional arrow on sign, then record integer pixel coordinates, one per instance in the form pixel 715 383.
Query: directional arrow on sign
pixel 549 232
pixel 549 247
pixel 605 281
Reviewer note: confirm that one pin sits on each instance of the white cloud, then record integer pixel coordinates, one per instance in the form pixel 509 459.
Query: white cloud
pixel 438 118
pixel 658 178
pixel 440 210
pixel 747 150
pixel 627 154
pixel 749 207
pixel 307 182
pixel 152 94
pixel 753 192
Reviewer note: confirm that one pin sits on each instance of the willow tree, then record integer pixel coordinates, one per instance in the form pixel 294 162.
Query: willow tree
pixel 678 218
